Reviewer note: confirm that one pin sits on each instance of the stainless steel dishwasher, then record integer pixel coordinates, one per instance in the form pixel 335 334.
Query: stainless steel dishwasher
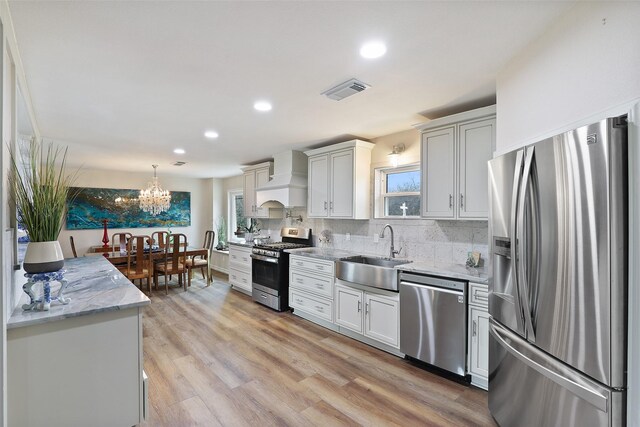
pixel 433 320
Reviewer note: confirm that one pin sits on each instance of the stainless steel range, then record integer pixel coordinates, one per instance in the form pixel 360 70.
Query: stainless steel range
pixel 270 267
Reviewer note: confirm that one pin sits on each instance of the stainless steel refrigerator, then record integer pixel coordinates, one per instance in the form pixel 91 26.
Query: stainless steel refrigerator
pixel 558 280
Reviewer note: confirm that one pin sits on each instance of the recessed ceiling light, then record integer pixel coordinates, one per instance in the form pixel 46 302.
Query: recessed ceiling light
pixel 262 106
pixel 373 50
pixel 211 134
pixel 179 151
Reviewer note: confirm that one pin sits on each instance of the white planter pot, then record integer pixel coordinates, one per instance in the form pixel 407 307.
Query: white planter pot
pixel 42 257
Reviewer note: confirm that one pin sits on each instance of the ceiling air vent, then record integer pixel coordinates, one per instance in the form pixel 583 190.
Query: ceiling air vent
pixel 343 90
pixel 179 163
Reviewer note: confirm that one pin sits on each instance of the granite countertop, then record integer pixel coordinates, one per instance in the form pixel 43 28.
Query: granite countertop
pixel 95 285
pixel 321 253
pixel 454 271
pixel 243 244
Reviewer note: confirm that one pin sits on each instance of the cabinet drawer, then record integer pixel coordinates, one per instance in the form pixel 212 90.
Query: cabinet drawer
pixel 317 306
pixel 239 278
pixel 321 285
pixel 311 264
pixel 240 259
pixel 478 294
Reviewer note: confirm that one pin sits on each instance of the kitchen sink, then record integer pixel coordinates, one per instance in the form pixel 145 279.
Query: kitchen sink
pixel 371 271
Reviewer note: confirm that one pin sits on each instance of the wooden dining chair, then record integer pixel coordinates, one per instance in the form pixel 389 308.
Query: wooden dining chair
pixel 159 238
pixel 172 261
pixel 202 261
pixel 122 239
pixel 139 264
pixel 73 247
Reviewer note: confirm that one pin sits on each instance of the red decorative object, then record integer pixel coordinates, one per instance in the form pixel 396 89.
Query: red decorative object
pixel 105 236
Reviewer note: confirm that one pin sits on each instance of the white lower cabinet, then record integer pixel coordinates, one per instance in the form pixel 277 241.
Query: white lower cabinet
pixel 240 267
pixel 349 308
pixel 373 315
pixel 314 305
pixel 478 354
pixel 382 319
pixel 311 288
pixel 80 371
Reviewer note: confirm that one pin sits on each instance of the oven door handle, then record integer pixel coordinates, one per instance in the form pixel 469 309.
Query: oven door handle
pixel 264 258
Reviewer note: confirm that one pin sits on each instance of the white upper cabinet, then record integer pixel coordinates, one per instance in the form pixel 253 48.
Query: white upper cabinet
pixel 254 177
pixel 455 152
pixel 318 190
pixel 476 143
pixel 341 184
pixel 339 181
pixel 438 183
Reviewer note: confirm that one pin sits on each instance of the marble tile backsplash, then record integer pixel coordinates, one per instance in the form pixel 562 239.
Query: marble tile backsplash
pixel 429 241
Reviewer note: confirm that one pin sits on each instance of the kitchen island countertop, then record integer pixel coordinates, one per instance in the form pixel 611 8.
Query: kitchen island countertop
pixel 95 286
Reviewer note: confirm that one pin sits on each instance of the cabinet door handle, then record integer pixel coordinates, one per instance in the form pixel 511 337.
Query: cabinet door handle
pixel 319 308
pixel 331 206
pixel 461 200
pixel 366 308
pixel 450 201
pixel 474 329
pixel 325 206
pixel 359 303
pixel 319 286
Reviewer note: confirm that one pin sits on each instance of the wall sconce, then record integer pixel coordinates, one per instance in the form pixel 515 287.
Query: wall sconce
pixel 394 156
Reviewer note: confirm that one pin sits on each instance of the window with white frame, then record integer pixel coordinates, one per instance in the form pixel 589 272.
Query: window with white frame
pixel 398 192
pixel 236 212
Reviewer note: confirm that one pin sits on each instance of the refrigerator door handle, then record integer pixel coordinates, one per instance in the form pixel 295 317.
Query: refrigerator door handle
pixel 514 236
pixel 593 397
pixel 521 239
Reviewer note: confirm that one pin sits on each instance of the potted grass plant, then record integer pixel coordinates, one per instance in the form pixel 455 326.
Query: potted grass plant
pixel 40 186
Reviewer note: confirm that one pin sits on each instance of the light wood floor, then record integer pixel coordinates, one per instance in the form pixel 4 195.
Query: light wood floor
pixel 214 357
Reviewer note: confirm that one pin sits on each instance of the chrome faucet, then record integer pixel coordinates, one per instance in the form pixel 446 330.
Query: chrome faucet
pixel 392 251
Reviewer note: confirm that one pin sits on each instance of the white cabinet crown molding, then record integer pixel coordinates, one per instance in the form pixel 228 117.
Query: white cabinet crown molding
pixel 258 166
pixel 342 145
pixel 456 118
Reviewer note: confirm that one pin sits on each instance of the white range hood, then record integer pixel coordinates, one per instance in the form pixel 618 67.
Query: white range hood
pixel 288 185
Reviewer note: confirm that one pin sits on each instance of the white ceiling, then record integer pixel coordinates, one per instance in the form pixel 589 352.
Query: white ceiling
pixel 124 83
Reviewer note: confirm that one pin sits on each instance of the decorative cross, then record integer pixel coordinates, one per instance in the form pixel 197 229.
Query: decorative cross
pixel 404 209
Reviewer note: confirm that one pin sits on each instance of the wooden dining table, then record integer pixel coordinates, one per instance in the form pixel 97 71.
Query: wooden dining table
pixel 120 257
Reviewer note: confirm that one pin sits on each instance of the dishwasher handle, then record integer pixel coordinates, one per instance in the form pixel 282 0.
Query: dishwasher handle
pixel 432 288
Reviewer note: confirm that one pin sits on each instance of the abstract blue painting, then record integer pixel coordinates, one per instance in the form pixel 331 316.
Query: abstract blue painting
pixel 120 208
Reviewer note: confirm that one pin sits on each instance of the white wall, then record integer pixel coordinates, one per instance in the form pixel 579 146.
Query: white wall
pixel 384 145
pixel 201 205
pixel 581 70
pixel 577 72
pixel 217 203
pixel 634 273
